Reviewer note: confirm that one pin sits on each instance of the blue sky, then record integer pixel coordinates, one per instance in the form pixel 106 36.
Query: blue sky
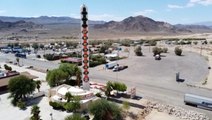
pixel 172 11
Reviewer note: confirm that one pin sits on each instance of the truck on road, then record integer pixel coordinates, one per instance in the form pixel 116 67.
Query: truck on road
pixel 198 101
pixel 111 65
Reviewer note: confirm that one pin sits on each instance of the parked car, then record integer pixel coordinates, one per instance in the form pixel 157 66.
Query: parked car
pixel 157 57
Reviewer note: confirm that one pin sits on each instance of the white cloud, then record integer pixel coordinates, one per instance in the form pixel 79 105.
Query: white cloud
pixel 171 6
pixel 202 2
pixel 191 3
pixel 144 12
pixel 2 11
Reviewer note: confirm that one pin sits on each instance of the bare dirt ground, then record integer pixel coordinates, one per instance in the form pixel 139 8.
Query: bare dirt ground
pixel 155 115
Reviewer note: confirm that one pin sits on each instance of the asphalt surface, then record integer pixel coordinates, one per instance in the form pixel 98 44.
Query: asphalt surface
pixel 153 79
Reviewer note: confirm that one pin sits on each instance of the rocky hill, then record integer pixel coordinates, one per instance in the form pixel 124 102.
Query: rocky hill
pixel 148 25
pixel 194 28
pixel 18 25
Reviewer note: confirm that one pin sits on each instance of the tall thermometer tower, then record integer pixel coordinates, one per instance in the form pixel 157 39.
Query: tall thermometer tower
pixel 85 49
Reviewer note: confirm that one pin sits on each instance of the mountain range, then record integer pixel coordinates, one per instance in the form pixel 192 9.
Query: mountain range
pixel 18 24
pixel 50 27
pixel 145 24
pixel 47 20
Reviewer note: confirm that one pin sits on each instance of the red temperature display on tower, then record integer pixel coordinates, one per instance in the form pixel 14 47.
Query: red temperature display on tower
pixel 85 50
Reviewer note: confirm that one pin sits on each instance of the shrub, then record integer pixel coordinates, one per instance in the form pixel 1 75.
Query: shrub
pixel 97 60
pixel 119 86
pixel 68 106
pixel 178 51
pixel 126 42
pixel 138 51
pixel 56 105
pixel 195 42
pixel 38 56
pixel 164 50
pixel 156 50
pixel 210 42
pixel 152 43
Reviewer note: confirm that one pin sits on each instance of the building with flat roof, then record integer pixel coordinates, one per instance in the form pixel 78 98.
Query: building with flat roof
pixel 4 80
pixel 57 94
pixel 73 60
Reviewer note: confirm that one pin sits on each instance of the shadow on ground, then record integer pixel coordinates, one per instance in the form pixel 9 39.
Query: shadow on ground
pixel 130 103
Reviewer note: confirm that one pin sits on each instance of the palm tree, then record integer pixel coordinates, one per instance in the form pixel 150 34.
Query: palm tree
pixel 68 96
pixel 35 113
pixel 38 83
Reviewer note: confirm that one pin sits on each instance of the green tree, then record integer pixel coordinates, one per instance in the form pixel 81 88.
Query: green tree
pixel 138 51
pixel 68 96
pixel 38 83
pixel 103 48
pixel 178 51
pixel 20 87
pixel 104 110
pixel 68 68
pixel 35 113
pixel 56 77
pixel 71 70
pixel 75 116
